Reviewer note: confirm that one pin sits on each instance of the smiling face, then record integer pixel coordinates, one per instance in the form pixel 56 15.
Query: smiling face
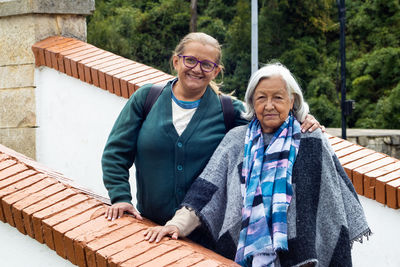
pixel 271 103
pixel 192 82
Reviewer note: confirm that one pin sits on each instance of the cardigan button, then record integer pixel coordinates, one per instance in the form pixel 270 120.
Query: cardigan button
pixel 179 167
pixel 180 144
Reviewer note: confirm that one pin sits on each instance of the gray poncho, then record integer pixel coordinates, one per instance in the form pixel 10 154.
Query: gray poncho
pixel 324 216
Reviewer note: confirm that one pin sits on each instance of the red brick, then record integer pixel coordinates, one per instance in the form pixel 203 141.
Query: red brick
pixel 87 67
pixel 3 157
pixel 18 206
pixel 62 216
pixel 66 60
pixel 348 150
pixel 380 188
pixel 52 210
pixel 72 60
pixel 143 76
pixel 87 232
pixel 19 185
pixel 341 145
pixel 170 257
pixel 121 76
pixel 392 198
pixel 44 203
pixel 13 170
pixel 146 252
pixel 7 163
pixel 122 66
pixel 135 84
pixel 156 80
pixel 109 239
pixel 349 167
pixel 38 48
pixel 17 196
pixel 189 260
pixel 151 72
pixel 355 156
pixel 51 52
pixel 398 197
pixel 59 230
pixel 12 179
pixel 358 175
pixel 370 177
pixel 95 69
pixel 47 51
pixel 104 254
pixel 59 57
pixel 97 59
pixel 207 263
pixel 131 71
pixel 334 140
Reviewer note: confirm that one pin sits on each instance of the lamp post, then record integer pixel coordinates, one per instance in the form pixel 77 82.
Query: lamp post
pixel 254 36
pixel 347 106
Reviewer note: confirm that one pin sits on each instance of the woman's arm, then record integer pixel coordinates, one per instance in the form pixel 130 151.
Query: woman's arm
pixel 181 225
pixel 119 155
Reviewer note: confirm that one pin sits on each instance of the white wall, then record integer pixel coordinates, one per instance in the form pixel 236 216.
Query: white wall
pixel 75 119
pixel 18 250
pixel 383 247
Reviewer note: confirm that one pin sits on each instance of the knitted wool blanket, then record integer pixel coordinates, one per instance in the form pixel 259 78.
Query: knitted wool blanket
pixel 324 216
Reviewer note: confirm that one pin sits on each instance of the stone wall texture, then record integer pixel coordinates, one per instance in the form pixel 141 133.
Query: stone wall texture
pixel 23 23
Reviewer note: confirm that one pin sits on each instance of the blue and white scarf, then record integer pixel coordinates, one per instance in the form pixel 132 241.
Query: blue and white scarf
pixel 267 191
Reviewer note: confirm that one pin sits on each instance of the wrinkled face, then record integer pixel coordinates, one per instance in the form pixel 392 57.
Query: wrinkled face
pixel 271 103
pixel 195 79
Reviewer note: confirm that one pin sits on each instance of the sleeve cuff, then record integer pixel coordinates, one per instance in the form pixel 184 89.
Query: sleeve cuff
pixel 186 220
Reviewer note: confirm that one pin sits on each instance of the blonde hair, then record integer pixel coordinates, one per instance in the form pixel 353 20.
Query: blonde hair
pixel 204 39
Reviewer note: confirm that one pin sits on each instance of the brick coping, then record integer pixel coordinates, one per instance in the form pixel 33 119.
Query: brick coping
pixel 43 204
pixel 116 74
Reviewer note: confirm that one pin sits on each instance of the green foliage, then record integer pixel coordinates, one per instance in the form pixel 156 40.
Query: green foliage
pixel 145 31
pixel 303 35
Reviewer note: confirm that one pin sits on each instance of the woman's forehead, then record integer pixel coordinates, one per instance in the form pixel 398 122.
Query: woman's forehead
pixel 274 83
pixel 199 49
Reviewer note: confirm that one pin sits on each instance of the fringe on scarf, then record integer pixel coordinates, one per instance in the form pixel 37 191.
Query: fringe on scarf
pixel 360 238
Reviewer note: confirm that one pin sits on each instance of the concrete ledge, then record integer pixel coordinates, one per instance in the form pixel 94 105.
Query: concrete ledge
pixel 18 7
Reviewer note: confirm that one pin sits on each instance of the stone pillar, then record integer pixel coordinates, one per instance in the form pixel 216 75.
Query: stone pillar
pixel 23 23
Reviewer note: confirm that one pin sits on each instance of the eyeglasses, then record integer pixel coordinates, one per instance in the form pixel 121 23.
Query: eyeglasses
pixel 191 62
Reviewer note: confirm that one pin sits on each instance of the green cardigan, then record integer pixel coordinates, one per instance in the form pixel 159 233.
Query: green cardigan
pixel 166 163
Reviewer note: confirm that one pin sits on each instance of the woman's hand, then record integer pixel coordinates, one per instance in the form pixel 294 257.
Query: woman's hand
pixel 117 210
pixel 158 232
pixel 311 124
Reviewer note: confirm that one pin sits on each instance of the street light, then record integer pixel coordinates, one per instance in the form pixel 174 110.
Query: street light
pixel 347 106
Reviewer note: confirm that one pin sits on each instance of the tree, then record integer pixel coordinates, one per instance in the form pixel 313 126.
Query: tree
pixel 303 35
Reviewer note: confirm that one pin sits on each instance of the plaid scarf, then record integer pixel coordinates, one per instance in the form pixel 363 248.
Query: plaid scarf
pixel 266 191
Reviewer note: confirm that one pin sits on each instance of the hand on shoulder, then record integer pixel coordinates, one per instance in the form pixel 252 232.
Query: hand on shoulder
pixel 311 124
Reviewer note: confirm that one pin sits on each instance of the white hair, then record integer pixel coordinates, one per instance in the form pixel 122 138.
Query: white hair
pixel 300 107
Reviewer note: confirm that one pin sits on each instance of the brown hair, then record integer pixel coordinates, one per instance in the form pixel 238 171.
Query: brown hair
pixel 204 39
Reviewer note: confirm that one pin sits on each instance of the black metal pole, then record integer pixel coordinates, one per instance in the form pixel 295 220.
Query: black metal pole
pixel 342 20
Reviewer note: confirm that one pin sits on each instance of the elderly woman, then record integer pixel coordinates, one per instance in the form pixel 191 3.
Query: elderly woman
pixel 270 194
